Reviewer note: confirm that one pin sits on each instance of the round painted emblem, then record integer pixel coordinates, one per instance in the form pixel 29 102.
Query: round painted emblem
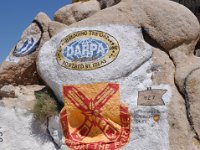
pixel 87 50
pixel 26 46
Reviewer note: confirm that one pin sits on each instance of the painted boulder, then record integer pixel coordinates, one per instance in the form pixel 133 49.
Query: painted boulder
pixel 92 54
pixel 98 73
pixel 121 78
pixel 19 68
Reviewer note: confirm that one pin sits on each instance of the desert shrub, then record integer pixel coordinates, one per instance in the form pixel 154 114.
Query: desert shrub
pixel 45 105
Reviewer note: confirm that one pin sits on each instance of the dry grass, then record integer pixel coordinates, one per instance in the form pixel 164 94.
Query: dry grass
pixel 45 106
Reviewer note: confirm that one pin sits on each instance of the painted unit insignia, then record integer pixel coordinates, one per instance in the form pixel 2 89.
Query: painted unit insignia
pixel 87 50
pixel 94 118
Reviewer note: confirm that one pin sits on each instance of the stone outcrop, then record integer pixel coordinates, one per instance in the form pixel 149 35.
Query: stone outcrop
pixel 7 91
pixel 20 66
pixel 172 32
pixel 193 5
pixel 75 12
pixel 127 77
pixel 19 130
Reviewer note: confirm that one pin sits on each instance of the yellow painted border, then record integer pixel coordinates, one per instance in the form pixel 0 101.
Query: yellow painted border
pixel 113 44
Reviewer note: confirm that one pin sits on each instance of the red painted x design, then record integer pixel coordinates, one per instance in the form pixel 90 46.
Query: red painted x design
pixel 91 108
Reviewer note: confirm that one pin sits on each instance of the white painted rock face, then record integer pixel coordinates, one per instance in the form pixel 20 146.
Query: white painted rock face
pixel 133 52
pixel 18 131
pixel 103 75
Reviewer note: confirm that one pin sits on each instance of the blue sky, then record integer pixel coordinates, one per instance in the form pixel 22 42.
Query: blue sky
pixel 16 15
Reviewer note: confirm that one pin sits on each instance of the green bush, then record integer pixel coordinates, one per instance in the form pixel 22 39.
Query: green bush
pixel 45 105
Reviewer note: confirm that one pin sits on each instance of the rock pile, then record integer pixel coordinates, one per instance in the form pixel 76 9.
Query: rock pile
pixel 126 76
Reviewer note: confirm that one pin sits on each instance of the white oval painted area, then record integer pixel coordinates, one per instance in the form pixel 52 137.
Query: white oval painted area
pixel 87 50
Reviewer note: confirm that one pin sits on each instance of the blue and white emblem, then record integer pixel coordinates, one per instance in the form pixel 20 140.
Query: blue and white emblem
pixel 87 50
pixel 26 46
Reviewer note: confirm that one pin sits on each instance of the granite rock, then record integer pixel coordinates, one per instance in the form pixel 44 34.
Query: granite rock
pixel 169 44
pixel 192 93
pixel 7 91
pixel 20 131
pixel 19 67
pixel 75 12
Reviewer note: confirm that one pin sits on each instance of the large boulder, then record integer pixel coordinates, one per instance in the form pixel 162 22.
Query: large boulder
pixel 20 66
pixel 122 66
pixel 18 128
pixel 20 131
pixel 192 94
pixel 75 12
pixel 194 6
pixel 111 66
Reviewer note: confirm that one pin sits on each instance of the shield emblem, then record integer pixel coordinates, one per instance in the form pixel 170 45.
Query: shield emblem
pixel 94 118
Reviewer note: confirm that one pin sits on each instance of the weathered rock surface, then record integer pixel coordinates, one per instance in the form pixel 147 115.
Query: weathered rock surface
pixel 20 131
pixel 20 65
pixel 193 5
pixel 164 73
pixel 21 68
pixel 55 27
pixel 103 3
pixel 7 91
pixel 17 124
pixel 56 132
pixel 24 97
pixel 197 52
pixel 128 71
pixel 166 126
pixel 192 94
pixel 55 75
pixel 75 12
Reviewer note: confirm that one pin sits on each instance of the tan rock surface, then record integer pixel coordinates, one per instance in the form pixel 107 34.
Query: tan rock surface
pixel 24 97
pixel 22 70
pixel 192 95
pixel 7 91
pixel 181 135
pixel 70 14
pixel 157 21
pixel 176 31
pixel 55 27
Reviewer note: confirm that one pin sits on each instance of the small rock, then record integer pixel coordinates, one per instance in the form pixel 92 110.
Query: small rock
pixel 55 130
pixel 7 91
